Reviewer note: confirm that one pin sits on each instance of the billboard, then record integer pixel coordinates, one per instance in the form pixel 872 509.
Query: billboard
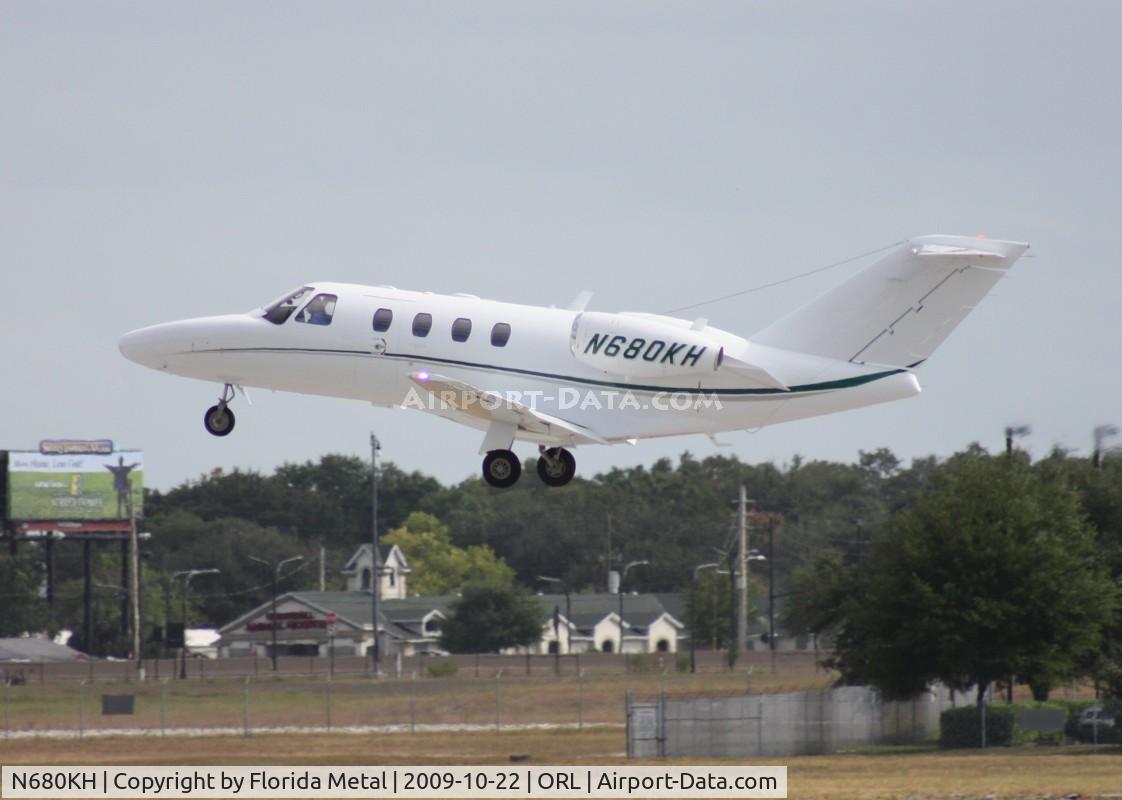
pixel 71 485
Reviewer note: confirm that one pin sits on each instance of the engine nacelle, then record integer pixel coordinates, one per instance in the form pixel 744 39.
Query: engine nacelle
pixel 636 347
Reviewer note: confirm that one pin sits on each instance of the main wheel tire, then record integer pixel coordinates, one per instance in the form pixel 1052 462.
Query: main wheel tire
pixel 218 420
pixel 501 468
pixel 556 466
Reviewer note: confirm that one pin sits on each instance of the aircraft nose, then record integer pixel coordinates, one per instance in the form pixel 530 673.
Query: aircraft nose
pixel 142 347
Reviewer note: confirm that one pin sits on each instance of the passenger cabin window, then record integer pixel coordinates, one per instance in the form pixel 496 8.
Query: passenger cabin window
pixel 319 311
pixel 461 329
pixel 500 334
pixel 422 324
pixel 382 319
pixel 279 312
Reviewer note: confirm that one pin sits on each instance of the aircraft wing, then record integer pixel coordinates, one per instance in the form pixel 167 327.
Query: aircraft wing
pixel 477 407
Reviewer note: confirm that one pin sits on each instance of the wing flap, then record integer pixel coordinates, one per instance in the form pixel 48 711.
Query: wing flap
pixel 472 405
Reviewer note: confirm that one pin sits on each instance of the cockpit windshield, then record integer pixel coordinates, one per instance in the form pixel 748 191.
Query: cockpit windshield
pixel 281 310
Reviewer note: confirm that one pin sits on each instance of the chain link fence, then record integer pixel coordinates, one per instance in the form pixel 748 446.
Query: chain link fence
pixel 777 725
pixel 417 702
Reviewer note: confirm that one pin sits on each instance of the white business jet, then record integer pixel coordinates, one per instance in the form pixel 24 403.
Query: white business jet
pixel 561 377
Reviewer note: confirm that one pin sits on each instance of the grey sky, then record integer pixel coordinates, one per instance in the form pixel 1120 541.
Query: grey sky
pixel 161 161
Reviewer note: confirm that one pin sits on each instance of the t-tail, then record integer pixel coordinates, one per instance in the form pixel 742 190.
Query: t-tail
pixel 898 310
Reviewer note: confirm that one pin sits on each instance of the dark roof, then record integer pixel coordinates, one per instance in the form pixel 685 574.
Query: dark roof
pixel 33 649
pixel 639 610
pixel 406 614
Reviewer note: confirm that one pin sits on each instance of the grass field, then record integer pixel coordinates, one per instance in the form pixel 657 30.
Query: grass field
pixel 888 773
pixel 514 699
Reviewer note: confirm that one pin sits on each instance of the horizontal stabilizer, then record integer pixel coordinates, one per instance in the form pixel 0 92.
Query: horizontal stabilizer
pixel 898 310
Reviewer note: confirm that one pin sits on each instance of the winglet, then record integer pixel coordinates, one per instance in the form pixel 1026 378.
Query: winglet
pixel 580 302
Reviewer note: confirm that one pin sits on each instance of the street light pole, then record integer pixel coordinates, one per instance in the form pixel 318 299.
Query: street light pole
pixel 187 574
pixel 568 613
pixel 275 566
pixel 622 578
pixel 693 613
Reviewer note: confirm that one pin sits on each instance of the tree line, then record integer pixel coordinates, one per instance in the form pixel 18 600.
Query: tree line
pixel 1014 552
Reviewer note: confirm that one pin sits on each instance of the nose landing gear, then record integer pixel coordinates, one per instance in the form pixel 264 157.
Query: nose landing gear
pixel 556 466
pixel 219 419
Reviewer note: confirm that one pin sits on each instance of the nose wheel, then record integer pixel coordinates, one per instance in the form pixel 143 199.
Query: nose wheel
pixel 219 419
pixel 556 466
pixel 501 468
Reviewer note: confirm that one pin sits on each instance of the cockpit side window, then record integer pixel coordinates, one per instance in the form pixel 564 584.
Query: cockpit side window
pixel 279 312
pixel 319 311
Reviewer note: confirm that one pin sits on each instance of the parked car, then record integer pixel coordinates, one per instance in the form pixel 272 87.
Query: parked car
pixel 1093 715
pixel 1099 722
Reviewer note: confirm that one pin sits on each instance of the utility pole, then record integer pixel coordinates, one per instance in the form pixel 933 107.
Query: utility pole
pixel 87 595
pixel 1102 433
pixel 771 590
pixel 125 589
pixel 1011 432
pixel 742 572
pixel 322 569
pixel 50 553
pixel 129 549
pixel 376 557
pixel 134 587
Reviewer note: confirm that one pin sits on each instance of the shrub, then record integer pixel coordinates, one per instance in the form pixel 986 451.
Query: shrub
pixel 444 668
pixel 641 662
pixel 961 727
pixel 682 663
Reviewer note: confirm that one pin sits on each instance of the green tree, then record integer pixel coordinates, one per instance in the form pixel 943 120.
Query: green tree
pixel 181 541
pixel 993 572
pixel 1101 493
pixel 106 635
pixel 438 566
pixel 23 610
pixel 489 618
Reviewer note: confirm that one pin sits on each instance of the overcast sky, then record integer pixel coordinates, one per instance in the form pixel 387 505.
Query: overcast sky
pixel 168 160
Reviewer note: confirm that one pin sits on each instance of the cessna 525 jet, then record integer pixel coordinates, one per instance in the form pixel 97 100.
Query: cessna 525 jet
pixel 561 377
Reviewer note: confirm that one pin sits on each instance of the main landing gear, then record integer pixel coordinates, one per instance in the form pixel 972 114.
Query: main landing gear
pixel 219 419
pixel 501 468
pixel 556 467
